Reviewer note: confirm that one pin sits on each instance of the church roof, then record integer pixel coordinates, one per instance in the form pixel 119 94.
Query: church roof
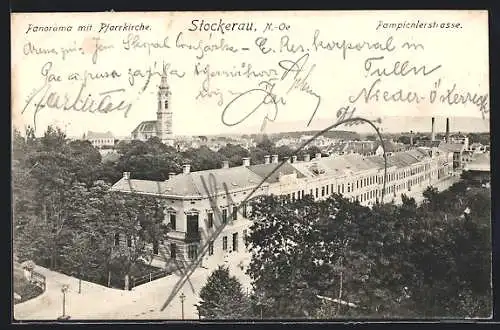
pixel 146 127
pixel 99 135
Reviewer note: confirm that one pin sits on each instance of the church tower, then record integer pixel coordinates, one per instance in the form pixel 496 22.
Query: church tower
pixel 164 114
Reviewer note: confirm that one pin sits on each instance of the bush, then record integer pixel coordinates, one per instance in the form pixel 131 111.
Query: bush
pixel 24 288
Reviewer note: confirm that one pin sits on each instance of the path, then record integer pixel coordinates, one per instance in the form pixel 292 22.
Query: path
pixel 99 302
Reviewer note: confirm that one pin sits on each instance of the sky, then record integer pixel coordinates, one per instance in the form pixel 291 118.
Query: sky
pixel 319 63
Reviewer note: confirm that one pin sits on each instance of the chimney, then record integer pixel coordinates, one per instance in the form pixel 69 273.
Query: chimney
pixel 286 159
pixel 275 159
pixel 318 155
pixel 447 130
pixel 126 175
pixel 171 175
pixel 294 158
pixel 307 157
pixel 225 164
pixel 186 168
pixel 267 159
pixel 246 161
pixel 433 137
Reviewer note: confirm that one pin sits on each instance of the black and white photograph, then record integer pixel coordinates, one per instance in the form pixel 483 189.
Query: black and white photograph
pixel 266 166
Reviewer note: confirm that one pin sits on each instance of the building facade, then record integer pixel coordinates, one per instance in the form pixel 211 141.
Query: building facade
pixel 100 140
pixel 162 126
pixel 208 210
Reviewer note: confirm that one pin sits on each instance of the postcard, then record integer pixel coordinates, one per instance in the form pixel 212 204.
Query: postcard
pixel 259 165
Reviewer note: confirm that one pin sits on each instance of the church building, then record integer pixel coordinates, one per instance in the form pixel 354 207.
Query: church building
pixel 162 126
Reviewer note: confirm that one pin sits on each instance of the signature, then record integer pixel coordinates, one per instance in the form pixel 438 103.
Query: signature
pixel 101 102
pixel 152 71
pixel 266 92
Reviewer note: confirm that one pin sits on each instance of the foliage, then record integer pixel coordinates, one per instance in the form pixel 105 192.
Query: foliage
pixel 24 288
pixel 65 218
pixel 222 297
pixel 233 153
pixel 391 260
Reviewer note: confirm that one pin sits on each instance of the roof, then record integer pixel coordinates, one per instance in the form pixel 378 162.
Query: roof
pixel 146 126
pixel 197 184
pixel 429 143
pixel 391 146
pixel 481 162
pixel 205 183
pixel 99 135
pixel 264 171
pixel 452 147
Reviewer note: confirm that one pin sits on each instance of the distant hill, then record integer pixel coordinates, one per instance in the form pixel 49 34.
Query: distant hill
pixel 342 135
pixel 392 124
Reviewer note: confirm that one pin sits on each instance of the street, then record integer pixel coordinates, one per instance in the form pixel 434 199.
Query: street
pixel 99 302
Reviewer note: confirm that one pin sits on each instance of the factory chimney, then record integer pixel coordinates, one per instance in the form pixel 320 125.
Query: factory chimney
pixel 433 137
pixel 447 130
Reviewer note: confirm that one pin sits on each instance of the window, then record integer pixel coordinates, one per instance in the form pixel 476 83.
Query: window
pixel 235 213
pixel 193 251
pixel 235 242
pixel 173 221
pixel 302 194
pixel 293 196
pixel 117 239
pixel 322 191
pixel 317 192
pixel 155 247
pixel 331 189
pixel 166 104
pixel 210 220
pixel 173 250
pixel 338 189
pixel 245 238
pixel 311 192
pixel 224 216
pixel 327 189
pixel 245 214
pixel 211 248
pixel 224 243
pixel 129 241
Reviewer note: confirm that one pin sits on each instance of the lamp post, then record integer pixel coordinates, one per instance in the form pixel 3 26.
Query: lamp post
pixel 64 289
pixel 182 297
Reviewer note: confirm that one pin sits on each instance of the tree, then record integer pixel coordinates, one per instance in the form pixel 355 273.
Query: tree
pixel 403 139
pixel 389 261
pixel 203 158
pixel 222 297
pixel 150 160
pixel 233 153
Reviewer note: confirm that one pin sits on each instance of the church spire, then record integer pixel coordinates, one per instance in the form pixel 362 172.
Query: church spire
pixel 164 114
pixel 164 82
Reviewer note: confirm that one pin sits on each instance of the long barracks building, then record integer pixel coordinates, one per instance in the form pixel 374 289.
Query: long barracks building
pixel 190 198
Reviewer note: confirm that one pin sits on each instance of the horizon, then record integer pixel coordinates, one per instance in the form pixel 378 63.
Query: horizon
pixel 362 129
